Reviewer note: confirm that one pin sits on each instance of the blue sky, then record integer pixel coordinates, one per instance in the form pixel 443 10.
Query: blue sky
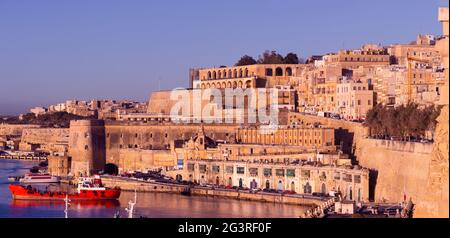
pixel 51 51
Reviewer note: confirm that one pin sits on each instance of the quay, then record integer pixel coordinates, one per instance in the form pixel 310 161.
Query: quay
pixel 153 186
pixel 23 157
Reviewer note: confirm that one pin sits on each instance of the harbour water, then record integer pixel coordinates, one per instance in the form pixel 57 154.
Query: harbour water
pixel 151 205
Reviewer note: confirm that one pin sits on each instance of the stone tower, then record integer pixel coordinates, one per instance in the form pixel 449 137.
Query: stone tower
pixel 87 146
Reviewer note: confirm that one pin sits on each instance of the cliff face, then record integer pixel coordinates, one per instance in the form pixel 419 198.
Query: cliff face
pixel 437 201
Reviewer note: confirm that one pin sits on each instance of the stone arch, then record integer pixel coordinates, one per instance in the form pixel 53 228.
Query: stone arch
pixel 224 85
pixel 234 84
pixel 246 72
pixel 280 185
pixel 235 73
pixel 278 71
pixel 230 73
pixel 208 85
pixel 248 84
pixel 203 86
pixel 111 169
pixel 229 85
pixel 288 71
pixel 209 74
pixel 323 189
pixel 240 84
pixel 224 73
pixel 213 85
pixel 240 73
pixel 307 188
pixel 220 74
pixel 269 72
pixel 214 75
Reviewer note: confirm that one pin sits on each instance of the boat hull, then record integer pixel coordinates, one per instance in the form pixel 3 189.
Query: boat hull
pixel 21 193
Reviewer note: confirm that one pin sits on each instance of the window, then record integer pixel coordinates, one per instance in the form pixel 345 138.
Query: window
pixel 202 168
pixel 305 174
pixel 253 171
pixel 290 172
pixel 279 172
pixel 347 177
pixel 191 167
pixel 357 178
pixel 229 169
pixel 216 168
pixel 269 72
pixel 267 172
pixel 240 170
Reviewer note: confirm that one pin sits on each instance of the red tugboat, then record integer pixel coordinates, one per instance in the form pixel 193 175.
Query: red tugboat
pixel 88 189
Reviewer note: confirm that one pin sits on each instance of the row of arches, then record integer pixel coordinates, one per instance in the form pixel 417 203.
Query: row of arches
pixel 306 189
pixel 225 74
pixel 279 71
pixel 229 84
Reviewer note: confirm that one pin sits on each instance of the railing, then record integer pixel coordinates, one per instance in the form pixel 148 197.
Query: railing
pixel 19 157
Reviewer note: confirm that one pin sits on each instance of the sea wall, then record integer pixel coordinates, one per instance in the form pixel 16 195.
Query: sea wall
pixel 398 169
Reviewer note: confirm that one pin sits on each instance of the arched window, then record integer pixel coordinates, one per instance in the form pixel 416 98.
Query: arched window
pixel 224 73
pixel 230 74
pixel 324 189
pixel 288 71
pixel 280 185
pixel 235 74
pixel 220 74
pixel 214 75
pixel 292 186
pixel 240 73
pixel 278 71
pixel 267 184
pixel 240 84
pixel 209 75
pixel 234 85
pixel 248 84
pixel 246 73
pixel 269 72
pixel 307 188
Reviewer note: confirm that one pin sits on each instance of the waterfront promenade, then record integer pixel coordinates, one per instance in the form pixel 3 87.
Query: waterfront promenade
pixel 128 184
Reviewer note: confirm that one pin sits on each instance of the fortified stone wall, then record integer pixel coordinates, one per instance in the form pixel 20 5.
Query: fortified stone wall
pixel 14 130
pixel 87 146
pixel 135 159
pixel 156 136
pixel 398 169
pixel 48 139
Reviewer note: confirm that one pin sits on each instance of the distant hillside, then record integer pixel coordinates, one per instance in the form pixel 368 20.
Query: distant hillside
pixel 57 119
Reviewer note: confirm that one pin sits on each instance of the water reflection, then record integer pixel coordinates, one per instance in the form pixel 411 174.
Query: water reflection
pixel 152 205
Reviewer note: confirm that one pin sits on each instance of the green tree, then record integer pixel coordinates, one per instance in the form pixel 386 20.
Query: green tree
pixel 291 58
pixel 270 57
pixel 245 60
